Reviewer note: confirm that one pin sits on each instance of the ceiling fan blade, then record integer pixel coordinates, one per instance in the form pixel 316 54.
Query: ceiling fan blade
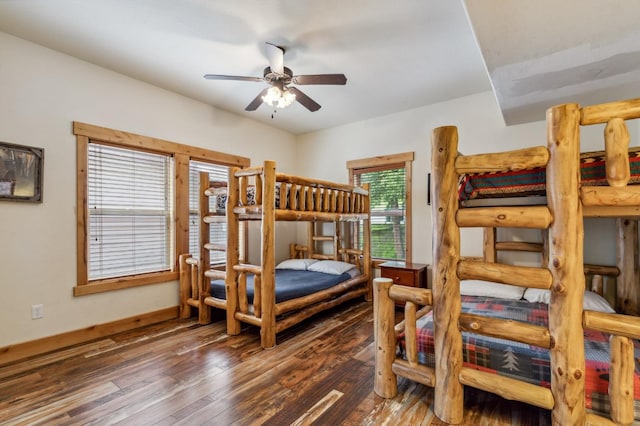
pixel 276 58
pixel 306 101
pixel 340 79
pixel 231 77
pixel 257 101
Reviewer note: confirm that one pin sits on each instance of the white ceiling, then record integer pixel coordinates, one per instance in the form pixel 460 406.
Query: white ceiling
pixel 546 52
pixel 397 55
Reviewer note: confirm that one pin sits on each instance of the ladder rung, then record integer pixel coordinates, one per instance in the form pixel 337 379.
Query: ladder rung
pixel 254 269
pixel 215 191
pixel 519 246
pixel 323 238
pixel 214 218
pixel 215 274
pixel 216 247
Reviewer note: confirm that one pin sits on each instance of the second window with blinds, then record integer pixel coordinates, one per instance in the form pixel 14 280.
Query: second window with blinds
pixel 137 201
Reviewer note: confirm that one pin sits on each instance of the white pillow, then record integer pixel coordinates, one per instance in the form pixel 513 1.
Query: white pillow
pixel 334 267
pixel 353 272
pixel 592 301
pixel 489 289
pixel 298 264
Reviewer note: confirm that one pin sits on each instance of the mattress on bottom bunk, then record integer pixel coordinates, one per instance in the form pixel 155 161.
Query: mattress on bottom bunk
pixel 290 284
pixel 522 361
pixel 532 182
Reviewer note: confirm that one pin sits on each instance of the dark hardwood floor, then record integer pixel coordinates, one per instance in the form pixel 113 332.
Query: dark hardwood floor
pixel 177 372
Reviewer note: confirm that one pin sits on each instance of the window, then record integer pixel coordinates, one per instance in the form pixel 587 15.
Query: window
pixel 134 208
pixel 130 202
pixel 389 179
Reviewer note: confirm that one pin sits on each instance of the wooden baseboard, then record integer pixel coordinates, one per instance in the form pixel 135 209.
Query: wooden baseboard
pixel 46 344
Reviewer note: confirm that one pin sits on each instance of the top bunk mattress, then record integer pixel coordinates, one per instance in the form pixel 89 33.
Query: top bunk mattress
pixel 528 186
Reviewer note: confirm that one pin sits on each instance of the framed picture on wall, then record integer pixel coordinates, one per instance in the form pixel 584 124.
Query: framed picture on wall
pixel 20 173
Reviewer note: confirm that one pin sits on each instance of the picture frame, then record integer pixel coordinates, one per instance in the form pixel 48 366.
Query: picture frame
pixel 21 173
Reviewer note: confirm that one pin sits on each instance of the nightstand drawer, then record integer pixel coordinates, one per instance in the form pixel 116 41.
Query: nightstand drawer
pixel 407 274
pixel 399 276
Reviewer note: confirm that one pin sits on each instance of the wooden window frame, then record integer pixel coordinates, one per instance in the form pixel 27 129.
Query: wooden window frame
pixel 182 154
pixel 385 161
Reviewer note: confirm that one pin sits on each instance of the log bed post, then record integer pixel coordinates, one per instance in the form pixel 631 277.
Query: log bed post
pixel 185 286
pixel 233 253
pixel 268 320
pixel 628 293
pixel 385 381
pixel 366 243
pixel 448 404
pixel 204 311
pixel 311 233
pixel 489 245
pixel 621 380
pixel 565 264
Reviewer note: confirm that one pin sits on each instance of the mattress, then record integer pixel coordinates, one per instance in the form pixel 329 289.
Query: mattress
pixel 522 361
pixel 532 182
pixel 290 284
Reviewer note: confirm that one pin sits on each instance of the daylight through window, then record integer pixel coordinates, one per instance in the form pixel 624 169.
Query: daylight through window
pixel 130 202
pixel 390 203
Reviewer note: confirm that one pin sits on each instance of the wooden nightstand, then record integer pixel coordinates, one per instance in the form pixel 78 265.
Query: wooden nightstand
pixel 409 274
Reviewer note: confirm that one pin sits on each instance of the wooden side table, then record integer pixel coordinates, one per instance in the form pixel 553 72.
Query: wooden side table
pixel 409 274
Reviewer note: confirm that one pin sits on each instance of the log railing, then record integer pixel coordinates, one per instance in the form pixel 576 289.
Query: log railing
pixel 302 198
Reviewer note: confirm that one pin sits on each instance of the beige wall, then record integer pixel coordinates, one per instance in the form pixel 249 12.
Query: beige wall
pixel 42 92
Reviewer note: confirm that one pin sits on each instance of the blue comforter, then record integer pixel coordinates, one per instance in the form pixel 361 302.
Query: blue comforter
pixel 290 284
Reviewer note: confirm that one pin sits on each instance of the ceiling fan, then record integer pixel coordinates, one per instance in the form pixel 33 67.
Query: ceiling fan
pixel 280 78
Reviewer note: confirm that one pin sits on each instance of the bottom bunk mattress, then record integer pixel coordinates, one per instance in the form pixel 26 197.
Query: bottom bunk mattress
pixel 522 361
pixel 290 284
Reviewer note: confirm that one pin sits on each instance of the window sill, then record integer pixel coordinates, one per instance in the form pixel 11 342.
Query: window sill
pixel 112 284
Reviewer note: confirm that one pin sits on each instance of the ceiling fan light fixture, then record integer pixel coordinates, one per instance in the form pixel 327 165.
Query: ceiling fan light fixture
pixel 278 98
pixel 279 77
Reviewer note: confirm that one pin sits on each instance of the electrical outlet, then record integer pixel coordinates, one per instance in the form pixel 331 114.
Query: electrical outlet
pixel 37 311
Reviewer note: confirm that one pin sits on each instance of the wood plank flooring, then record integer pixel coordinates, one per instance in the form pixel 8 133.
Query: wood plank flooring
pixel 180 373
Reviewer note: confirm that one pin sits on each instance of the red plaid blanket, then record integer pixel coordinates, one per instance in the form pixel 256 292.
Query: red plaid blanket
pixel 522 361
pixel 533 181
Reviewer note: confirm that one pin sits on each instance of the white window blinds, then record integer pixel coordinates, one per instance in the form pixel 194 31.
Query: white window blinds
pixel 387 192
pixel 130 203
pixel 218 230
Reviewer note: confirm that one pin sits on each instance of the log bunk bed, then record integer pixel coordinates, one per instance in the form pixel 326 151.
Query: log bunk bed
pixel 569 322
pixel 249 293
